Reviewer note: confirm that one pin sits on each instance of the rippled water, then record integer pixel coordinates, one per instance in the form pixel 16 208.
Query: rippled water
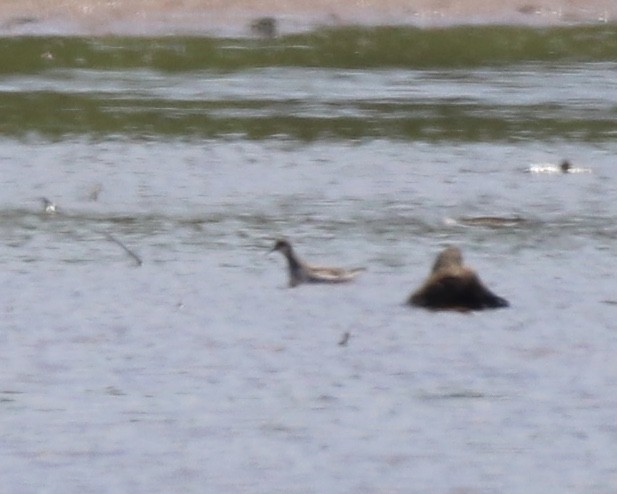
pixel 200 371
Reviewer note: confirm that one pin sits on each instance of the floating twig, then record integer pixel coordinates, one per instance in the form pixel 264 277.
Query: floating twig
pixel 132 254
pixel 50 208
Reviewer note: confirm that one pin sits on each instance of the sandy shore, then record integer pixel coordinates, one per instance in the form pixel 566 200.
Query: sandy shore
pixel 234 17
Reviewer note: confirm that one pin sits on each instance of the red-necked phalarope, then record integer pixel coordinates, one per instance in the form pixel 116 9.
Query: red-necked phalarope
pixel 301 272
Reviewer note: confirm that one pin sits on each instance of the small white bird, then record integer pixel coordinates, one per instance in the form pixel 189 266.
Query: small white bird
pixel 49 207
pixel 301 272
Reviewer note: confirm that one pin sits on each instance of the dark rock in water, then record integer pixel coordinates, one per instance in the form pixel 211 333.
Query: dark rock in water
pixel 454 286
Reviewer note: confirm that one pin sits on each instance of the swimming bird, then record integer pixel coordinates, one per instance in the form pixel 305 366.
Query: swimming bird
pixel 264 27
pixel 301 272
pixel 565 167
pixel 454 286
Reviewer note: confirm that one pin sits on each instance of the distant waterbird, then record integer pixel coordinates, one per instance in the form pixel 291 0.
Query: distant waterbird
pixel 565 167
pixel 302 272
pixel 453 286
pixel 265 27
pixel 93 195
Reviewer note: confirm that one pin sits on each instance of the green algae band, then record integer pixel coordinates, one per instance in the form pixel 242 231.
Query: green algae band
pixel 477 84
pixel 353 47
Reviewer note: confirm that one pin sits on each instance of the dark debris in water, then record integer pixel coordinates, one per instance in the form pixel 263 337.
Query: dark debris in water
pixel 344 339
pixel 129 252
pixel 454 395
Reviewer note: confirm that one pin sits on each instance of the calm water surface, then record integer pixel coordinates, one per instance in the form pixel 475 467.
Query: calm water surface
pixel 200 371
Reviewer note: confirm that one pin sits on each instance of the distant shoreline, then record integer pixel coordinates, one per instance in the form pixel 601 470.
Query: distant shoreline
pixel 235 17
